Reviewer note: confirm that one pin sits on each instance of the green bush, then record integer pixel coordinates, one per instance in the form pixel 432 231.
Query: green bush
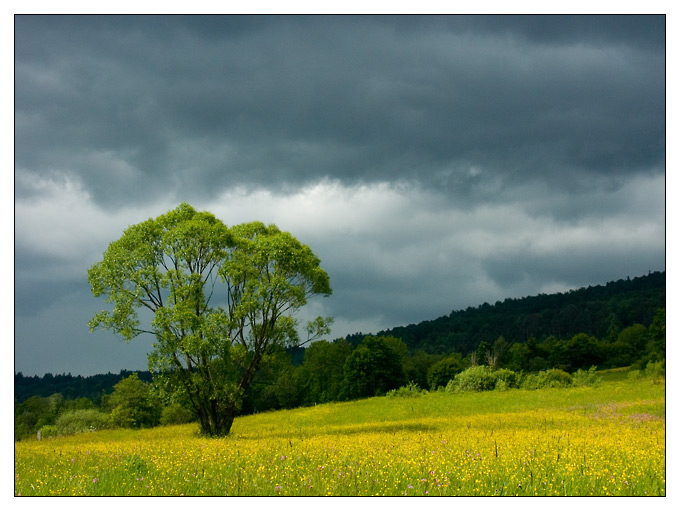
pixel 48 431
pixel 506 379
pixel 634 375
pixel 551 378
pixel 656 371
pixel 176 414
pixel 502 385
pixel 410 390
pixel 79 421
pixel 583 378
pixel 473 379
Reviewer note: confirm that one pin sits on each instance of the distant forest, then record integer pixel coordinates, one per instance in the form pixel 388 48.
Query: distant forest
pixel 599 311
pixel 70 387
pixel 537 332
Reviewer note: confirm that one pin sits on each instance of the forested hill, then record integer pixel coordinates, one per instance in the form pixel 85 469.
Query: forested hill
pixel 599 311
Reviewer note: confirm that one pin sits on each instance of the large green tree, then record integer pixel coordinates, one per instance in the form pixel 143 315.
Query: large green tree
pixel 221 299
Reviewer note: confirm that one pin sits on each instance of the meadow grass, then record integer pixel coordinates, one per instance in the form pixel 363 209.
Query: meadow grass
pixel 606 440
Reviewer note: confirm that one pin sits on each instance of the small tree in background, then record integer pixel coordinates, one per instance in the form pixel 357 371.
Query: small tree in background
pixel 133 405
pixel 322 370
pixel 440 373
pixel 375 367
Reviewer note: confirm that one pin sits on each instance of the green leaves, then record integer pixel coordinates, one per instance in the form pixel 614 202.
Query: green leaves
pixel 210 289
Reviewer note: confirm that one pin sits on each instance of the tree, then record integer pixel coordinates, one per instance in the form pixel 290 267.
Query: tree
pixel 628 346
pixel 497 355
pixel 480 356
pixel 584 352
pixel 133 405
pixel 445 370
pixel 322 370
pixel 375 367
pixel 635 336
pixel 657 333
pixel 519 354
pixel 221 299
pixel 418 365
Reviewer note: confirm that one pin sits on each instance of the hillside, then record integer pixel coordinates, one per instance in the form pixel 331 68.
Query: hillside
pixel 599 311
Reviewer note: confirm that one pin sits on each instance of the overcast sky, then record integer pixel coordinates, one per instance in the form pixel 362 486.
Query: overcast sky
pixel 432 163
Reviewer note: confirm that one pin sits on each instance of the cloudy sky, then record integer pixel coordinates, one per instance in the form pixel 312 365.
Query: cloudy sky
pixel 433 163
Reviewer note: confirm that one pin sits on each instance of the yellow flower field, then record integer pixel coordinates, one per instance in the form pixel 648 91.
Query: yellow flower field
pixel 603 441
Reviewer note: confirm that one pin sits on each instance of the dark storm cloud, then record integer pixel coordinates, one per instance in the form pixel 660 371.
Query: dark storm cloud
pixel 432 162
pixel 136 105
pixel 626 30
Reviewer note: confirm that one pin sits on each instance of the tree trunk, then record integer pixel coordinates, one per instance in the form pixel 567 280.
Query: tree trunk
pixel 215 423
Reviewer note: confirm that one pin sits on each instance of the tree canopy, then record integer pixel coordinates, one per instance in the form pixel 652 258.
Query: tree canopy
pixel 222 299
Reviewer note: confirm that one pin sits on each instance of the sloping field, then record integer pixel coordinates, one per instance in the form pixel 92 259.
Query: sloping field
pixel 608 440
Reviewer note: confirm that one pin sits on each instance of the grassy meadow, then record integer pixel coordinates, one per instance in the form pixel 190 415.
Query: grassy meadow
pixel 604 440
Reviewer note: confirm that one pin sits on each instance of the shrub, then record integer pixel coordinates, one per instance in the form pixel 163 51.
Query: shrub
pixel 551 378
pixel 656 371
pixel 634 375
pixel 583 378
pixel 48 431
pixel 502 385
pixel 176 414
pixel 506 379
pixel 410 390
pixel 474 379
pixel 78 421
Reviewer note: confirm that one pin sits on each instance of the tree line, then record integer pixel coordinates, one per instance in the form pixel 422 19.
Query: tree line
pixel 93 388
pixel 338 371
pixel 609 310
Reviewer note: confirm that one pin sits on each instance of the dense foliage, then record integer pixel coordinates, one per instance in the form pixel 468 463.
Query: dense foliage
pixel 222 300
